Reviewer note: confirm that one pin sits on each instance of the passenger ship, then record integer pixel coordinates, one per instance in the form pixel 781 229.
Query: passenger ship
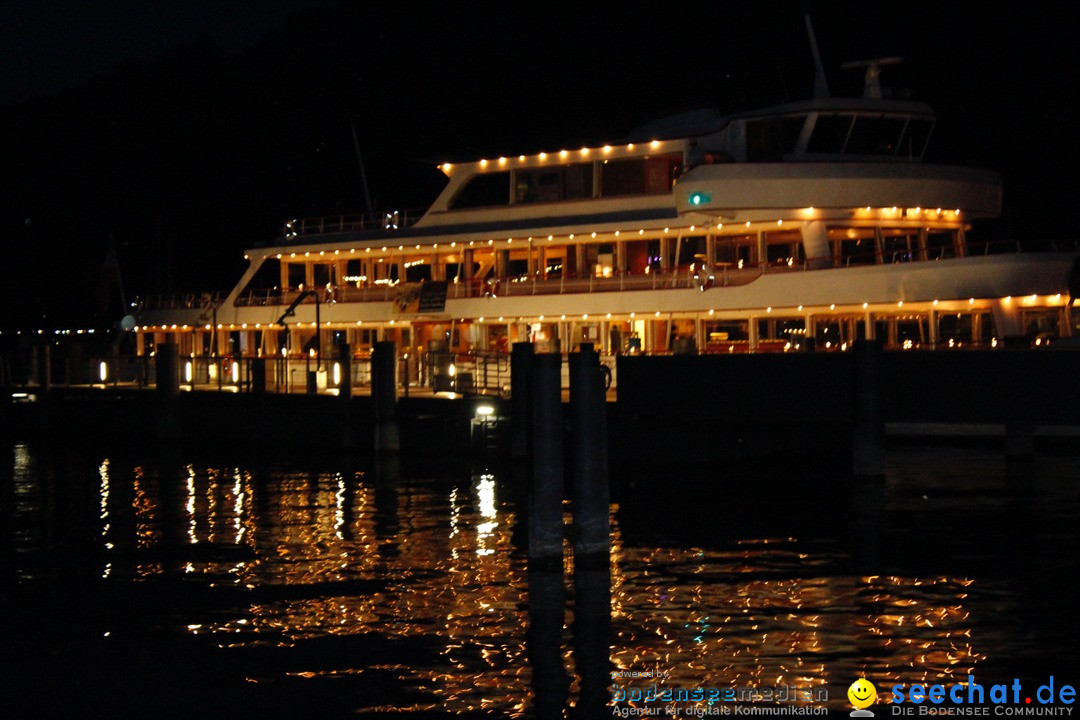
pixel 802 226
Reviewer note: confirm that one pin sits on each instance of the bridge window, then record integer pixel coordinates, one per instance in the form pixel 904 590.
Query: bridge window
pixel 829 135
pixel 874 136
pixel 881 135
pixel 768 140
pixel 916 135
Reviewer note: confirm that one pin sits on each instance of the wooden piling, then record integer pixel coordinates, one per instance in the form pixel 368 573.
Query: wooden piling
pixel 384 393
pixel 546 488
pixel 589 458
pixel 868 452
pixel 521 360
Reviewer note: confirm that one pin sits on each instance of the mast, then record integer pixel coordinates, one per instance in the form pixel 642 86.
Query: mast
pixel 363 175
pixel 821 86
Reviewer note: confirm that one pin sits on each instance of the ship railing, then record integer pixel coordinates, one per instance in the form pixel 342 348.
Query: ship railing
pixel 473 372
pixel 484 372
pixel 375 292
pixel 722 274
pixel 388 220
pixel 887 256
pixel 179 301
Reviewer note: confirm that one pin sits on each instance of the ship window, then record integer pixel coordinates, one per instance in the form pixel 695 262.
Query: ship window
pixel 916 135
pixel 577 182
pixel 940 244
pixel 417 272
pixel 484 190
pixel 623 177
pixel 297 274
pixel 267 277
pixel 736 251
pixel 571 182
pixel 692 250
pixel 517 268
pixel 784 248
pixel 899 246
pixel 768 140
pixel 726 331
pixel 855 251
pixel 957 327
pixel 639 175
pixel 853 246
pixel 660 172
pixel 791 329
pixel 829 135
pixel 323 274
pixel 874 136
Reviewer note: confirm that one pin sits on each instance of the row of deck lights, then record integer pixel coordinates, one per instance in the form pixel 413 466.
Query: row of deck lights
pixel 571 236
pixel 1027 300
pixel 88 331
pixel 544 156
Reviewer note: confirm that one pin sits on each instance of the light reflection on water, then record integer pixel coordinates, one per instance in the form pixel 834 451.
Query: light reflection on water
pixel 428 573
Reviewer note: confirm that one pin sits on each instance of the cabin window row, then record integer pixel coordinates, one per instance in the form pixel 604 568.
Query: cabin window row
pixel 577 181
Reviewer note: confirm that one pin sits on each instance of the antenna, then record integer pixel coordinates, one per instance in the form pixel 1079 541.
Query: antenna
pixel 821 87
pixel 872 82
pixel 363 175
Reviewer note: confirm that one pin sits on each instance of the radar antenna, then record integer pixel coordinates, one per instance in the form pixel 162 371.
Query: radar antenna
pixel 872 83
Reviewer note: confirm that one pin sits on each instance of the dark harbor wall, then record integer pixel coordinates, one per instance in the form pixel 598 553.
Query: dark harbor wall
pixel 759 408
pixel 720 410
pixel 300 422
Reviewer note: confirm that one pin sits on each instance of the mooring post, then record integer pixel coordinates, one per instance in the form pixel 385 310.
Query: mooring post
pixel 165 372
pixel 521 360
pixel 868 453
pixel 44 367
pixel 257 376
pixel 344 387
pixel 543 642
pixel 1019 441
pixel 592 640
pixel 384 393
pixel 589 458
pixel 167 378
pixel 345 367
pixel 546 488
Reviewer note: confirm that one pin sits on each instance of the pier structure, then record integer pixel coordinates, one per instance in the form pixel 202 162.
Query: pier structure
pixel 725 406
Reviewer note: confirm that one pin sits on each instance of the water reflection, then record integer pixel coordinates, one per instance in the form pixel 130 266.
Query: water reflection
pixel 413 589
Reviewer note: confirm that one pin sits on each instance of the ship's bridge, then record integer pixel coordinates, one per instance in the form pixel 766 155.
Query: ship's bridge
pixel 837 129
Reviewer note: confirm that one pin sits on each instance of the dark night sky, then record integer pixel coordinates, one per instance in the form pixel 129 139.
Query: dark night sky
pixel 188 130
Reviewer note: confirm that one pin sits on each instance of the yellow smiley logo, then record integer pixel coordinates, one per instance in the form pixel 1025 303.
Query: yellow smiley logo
pixel 862 693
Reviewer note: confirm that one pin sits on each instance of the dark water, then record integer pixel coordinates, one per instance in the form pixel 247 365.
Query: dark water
pixel 140 583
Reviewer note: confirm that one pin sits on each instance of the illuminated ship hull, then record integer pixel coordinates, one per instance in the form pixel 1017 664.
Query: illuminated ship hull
pixel 808 225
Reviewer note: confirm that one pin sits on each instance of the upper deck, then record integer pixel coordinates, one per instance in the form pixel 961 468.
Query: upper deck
pixel 633 181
